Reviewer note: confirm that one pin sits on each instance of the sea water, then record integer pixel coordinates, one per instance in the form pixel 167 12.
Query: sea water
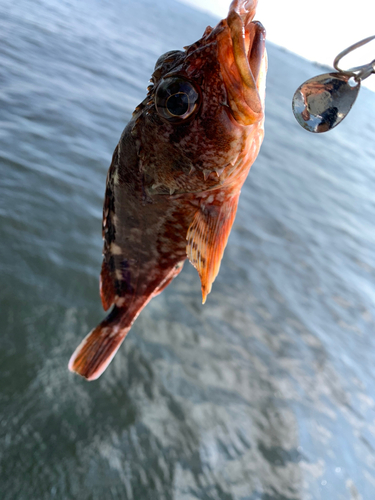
pixel 266 392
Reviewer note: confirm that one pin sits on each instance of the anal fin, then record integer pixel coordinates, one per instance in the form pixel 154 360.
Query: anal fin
pixel 107 291
pixel 169 278
pixel 207 237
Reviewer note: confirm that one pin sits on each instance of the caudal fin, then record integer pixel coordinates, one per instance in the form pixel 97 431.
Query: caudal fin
pixel 98 348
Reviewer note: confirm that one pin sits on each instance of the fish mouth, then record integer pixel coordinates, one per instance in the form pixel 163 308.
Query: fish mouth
pixel 243 61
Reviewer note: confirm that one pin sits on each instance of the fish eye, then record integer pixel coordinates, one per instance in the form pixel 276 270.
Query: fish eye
pixel 176 99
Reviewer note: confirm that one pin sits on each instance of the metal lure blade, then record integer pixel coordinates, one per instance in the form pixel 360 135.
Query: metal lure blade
pixel 322 102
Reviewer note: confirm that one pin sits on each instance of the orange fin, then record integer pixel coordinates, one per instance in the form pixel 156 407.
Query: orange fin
pixel 107 292
pixel 97 349
pixel 207 237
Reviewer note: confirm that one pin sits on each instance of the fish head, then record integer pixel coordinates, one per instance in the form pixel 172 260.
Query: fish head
pixel 201 123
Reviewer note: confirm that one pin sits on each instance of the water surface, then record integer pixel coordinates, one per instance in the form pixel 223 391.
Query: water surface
pixel 266 392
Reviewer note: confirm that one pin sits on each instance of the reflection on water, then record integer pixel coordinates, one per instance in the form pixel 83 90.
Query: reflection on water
pixel 266 392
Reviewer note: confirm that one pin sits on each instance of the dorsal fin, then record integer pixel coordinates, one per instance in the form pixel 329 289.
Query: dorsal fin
pixel 207 237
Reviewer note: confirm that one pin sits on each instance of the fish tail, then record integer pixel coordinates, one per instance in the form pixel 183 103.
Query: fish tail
pixel 98 348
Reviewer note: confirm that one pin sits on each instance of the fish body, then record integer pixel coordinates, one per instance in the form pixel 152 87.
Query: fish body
pixel 176 174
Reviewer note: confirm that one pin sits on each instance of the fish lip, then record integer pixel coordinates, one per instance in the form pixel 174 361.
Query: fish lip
pixel 242 56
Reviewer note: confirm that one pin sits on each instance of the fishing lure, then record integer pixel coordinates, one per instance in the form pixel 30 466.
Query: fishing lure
pixel 322 102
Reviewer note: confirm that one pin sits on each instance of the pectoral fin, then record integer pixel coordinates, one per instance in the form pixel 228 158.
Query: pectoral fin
pixel 207 237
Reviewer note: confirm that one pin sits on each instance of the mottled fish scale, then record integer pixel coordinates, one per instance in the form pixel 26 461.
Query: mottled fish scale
pixel 173 186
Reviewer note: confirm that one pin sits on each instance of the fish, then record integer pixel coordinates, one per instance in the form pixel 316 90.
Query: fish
pixel 176 174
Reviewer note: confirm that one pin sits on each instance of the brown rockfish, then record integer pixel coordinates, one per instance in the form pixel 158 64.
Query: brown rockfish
pixel 176 174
